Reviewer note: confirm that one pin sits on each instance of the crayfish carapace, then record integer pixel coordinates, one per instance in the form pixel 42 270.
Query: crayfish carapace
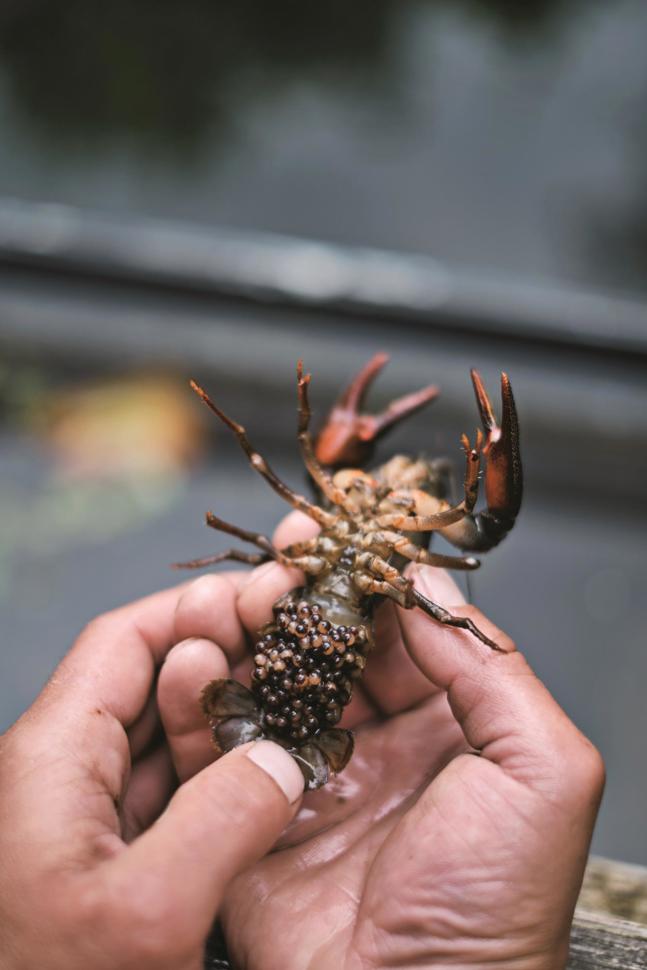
pixel 371 524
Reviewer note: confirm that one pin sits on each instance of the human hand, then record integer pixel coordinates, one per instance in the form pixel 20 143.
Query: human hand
pixel 384 867
pixel 91 876
pixel 419 853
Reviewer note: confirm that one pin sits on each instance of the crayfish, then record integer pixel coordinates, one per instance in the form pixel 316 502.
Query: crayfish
pixel 371 524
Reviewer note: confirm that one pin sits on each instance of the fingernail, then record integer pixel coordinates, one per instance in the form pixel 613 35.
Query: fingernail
pixel 280 766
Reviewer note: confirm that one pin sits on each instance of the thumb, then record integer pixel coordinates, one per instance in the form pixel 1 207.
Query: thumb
pixel 217 824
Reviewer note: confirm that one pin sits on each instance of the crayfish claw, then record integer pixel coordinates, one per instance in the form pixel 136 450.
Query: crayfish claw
pixel 348 436
pixel 483 402
pixel 503 477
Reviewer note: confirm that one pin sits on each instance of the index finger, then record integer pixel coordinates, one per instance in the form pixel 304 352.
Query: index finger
pixel 503 708
pixel 392 679
pixel 111 666
pixel 73 738
pixel 266 583
pixel 101 686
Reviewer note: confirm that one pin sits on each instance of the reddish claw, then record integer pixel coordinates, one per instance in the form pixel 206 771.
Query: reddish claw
pixel 503 475
pixel 348 437
pixel 503 478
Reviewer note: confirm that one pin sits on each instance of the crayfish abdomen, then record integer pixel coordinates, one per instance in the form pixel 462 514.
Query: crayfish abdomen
pixel 304 668
pixel 308 656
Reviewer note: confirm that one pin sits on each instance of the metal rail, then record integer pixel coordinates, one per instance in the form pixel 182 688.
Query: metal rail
pixel 308 275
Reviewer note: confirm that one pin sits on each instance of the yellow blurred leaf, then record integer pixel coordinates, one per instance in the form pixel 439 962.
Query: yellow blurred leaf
pixel 125 428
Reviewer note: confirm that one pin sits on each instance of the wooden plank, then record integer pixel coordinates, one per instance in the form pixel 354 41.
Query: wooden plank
pixel 603 943
pixel 615 889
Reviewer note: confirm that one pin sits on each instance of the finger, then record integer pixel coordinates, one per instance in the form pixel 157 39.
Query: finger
pixel 151 783
pixel 217 824
pixel 207 608
pixel 295 527
pixel 392 680
pixel 263 588
pixel 99 690
pixel 503 709
pixel 189 666
pixel 435 582
pixel 265 584
pixel 110 667
pixel 75 735
pixel 143 732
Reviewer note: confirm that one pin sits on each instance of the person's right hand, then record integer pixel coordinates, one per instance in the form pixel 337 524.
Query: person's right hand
pixel 103 864
pixel 457 835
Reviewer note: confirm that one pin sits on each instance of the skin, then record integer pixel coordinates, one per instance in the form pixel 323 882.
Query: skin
pixel 456 837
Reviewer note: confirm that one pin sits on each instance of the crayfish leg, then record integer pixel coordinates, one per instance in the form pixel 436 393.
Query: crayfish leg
pixel 439 613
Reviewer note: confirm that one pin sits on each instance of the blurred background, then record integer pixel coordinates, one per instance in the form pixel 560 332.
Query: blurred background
pixel 215 189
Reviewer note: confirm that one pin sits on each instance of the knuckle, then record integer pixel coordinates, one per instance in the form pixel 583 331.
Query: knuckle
pixel 98 626
pixel 196 599
pixel 581 773
pixel 589 774
pixel 78 909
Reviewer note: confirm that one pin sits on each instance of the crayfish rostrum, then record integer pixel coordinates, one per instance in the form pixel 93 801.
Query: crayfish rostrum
pixel 371 524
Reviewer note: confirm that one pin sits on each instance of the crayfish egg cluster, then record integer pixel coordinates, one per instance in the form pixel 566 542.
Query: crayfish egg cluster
pixel 304 667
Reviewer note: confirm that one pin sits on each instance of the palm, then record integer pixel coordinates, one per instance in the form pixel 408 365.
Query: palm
pixel 393 847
